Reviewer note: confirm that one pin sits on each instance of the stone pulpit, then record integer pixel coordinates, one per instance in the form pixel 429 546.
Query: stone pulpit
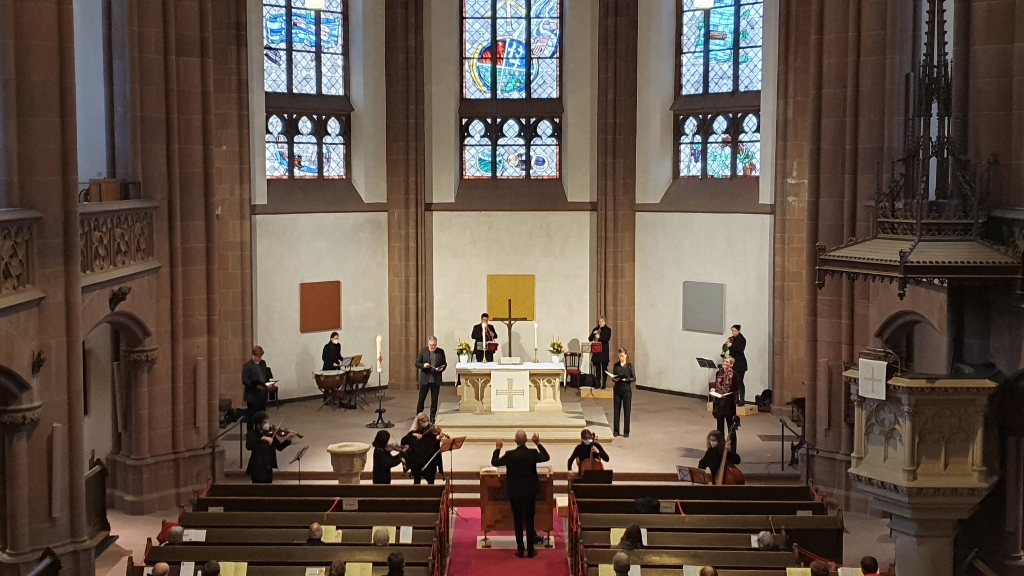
pixel 918 454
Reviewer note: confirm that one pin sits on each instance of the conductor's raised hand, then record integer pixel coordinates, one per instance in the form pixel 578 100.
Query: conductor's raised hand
pixel 536 438
pixel 498 444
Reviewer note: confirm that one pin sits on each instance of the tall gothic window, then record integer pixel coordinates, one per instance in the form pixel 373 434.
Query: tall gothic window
pixel 718 102
pixel 511 89
pixel 306 83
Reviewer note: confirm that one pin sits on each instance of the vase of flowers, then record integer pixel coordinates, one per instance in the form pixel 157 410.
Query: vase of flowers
pixel 557 349
pixel 464 349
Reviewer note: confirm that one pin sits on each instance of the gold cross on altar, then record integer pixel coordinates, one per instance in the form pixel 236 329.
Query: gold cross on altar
pixel 508 321
pixel 509 393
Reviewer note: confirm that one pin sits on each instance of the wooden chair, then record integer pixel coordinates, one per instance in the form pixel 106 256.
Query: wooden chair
pixel 572 368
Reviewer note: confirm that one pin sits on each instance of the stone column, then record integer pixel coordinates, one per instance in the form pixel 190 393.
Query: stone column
pixel 924 547
pixel 15 423
pixel 139 362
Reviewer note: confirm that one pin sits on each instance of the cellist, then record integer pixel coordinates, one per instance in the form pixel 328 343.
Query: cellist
pixel 712 460
pixel 588 448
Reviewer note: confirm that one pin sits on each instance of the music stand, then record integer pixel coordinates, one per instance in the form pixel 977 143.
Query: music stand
pixel 692 475
pixel 709 365
pixel 449 445
pixel 298 458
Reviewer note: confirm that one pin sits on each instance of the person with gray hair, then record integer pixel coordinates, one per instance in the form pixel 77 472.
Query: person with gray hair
pixel 175 536
pixel 708 571
pixel 431 364
pixel 620 563
pixel 381 536
pixel 316 535
pixel 211 568
pixel 161 569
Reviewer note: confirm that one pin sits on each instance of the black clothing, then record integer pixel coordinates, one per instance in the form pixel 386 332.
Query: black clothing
pixel 383 462
pixel 262 457
pixel 522 486
pixel 622 398
pixel 600 359
pixel 723 425
pixel 332 356
pixel 314 542
pixel 430 378
pixel 254 381
pixel 582 452
pixel 420 452
pixel 713 459
pixel 478 337
pixel 736 352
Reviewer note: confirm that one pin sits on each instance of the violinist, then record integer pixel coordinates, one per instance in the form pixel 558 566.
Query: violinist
pixel 423 441
pixel 264 442
pixel 383 459
pixel 587 448
pixel 712 460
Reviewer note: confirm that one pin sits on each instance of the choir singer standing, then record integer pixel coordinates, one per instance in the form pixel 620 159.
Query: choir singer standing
pixel 431 363
pixel 522 486
pixel 482 334
pixel 603 334
pixel 622 385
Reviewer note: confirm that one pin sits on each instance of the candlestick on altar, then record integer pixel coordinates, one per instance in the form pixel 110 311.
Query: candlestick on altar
pixel 535 360
pixel 535 335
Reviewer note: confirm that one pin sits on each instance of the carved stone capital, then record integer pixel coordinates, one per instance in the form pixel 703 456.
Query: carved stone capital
pixel 16 417
pixel 141 356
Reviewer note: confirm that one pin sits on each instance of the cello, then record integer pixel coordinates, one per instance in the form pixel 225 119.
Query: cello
pixel 728 473
pixel 591 463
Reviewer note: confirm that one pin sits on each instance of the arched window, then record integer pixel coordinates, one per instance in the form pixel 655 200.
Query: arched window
pixel 306 84
pixel 718 100
pixel 511 89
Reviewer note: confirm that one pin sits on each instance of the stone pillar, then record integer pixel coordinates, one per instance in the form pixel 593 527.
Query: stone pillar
pixel 139 362
pixel 924 546
pixel 1015 505
pixel 15 423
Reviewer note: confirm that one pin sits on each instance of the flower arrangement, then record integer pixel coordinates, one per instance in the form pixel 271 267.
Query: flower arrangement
pixel 464 348
pixel 556 347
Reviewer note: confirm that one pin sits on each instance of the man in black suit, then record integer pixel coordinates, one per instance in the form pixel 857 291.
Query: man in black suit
pixel 737 352
pixel 482 334
pixel 522 485
pixel 255 375
pixel 431 363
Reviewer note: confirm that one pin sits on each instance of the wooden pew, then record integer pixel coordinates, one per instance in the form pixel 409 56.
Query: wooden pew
pixel 676 540
pixel 725 507
pixel 291 504
pixel 272 555
pixel 285 570
pixel 297 536
pixel 326 490
pixel 741 560
pixel 594 571
pixel 343 520
pixel 692 492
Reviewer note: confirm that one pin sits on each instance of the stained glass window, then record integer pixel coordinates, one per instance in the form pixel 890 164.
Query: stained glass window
pixel 509 148
pixel 305 69
pixel 720 47
pixel 732 143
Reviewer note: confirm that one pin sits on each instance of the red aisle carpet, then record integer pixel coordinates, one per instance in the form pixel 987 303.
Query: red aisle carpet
pixel 468 561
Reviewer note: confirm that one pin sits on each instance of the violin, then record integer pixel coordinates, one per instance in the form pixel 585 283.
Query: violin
pixel 282 432
pixel 728 473
pixel 591 463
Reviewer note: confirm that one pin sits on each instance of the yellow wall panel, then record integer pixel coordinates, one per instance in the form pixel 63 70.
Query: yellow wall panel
pixel 519 287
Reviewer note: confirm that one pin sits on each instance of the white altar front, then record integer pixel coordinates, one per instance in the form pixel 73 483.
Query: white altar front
pixel 481 382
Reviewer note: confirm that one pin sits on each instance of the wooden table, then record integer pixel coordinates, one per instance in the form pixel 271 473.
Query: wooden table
pixel 496 512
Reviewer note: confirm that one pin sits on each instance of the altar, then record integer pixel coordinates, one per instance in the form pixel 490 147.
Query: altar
pixel 492 387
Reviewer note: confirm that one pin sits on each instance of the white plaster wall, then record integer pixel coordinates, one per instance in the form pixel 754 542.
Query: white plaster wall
pixel 90 91
pixel 366 91
pixel 553 246
pixel 98 424
pixel 296 248
pixel 731 249
pixel 579 96
pixel 657 68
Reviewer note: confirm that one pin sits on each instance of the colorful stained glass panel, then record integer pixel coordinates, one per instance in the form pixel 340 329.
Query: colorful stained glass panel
pixel 690 149
pixel 477 8
pixel 305 159
pixel 276 149
pixel 511 151
pixel 719 163
pixel 334 151
pixel 330 32
pixel 303 72
pixel 303 29
pixel 750 69
pixel 748 148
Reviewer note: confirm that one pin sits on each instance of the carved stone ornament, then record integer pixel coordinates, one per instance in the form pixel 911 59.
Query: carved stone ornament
pixel 15 256
pixel 925 492
pixel 38 360
pixel 116 238
pixel 20 416
pixel 119 295
pixel 141 355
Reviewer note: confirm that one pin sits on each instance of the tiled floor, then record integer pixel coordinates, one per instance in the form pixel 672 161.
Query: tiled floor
pixel 666 430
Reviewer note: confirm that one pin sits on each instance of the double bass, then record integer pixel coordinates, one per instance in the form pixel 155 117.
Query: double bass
pixel 728 473
pixel 591 463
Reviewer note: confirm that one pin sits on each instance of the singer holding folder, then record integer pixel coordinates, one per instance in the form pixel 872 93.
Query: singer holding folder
pixel 723 395
pixel 623 377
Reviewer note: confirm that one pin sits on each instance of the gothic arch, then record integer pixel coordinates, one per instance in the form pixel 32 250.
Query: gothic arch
pixel 131 327
pixel 899 321
pixel 12 385
pixel 920 345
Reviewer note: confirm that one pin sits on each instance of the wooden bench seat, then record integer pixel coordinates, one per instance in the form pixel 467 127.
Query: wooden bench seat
pixel 292 571
pixel 655 539
pixel 326 490
pixel 679 558
pixel 647 571
pixel 287 555
pixel 343 520
pixel 297 536
pixel 315 504
pixel 711 507
pixel 618 491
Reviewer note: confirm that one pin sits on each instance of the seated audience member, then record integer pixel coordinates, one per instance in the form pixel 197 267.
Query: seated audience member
pixel 337 568
pixel 708 571
pixel 175 536
pixel 819 568
pixel 161 569
pixel 316 535
pixel 620 563
pixel 381 536
pixel 632 538
pixel 211 568
pixel 396 564
pixel 869 566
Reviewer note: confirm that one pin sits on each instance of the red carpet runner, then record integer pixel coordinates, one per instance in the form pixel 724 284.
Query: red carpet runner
pixel 468 561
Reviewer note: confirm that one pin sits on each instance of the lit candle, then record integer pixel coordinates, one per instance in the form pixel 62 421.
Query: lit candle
pixel 380 358
pixel 535 335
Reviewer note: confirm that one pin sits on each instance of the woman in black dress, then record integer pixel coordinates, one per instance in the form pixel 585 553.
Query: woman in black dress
pixel 603 334
pixel 423 441
pixel 622 385
pixel 713 457
pixel 332 353
pixel 383 459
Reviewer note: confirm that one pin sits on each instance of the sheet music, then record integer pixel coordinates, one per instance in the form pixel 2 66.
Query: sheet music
pixel 717 395
pixel 187 569
pixel 753 541
pixel 844 571
pixel 405 535
pixel 316 570
pixel 194 535
pixel 634 570
pixel 691 570
pixel 350 504
pixel 643 535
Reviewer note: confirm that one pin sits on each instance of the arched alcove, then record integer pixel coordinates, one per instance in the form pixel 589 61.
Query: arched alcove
pixel 920 346
pixel 12 386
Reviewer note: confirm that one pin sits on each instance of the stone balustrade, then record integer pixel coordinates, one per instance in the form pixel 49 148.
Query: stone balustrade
pixel 117 239
pixel 18 257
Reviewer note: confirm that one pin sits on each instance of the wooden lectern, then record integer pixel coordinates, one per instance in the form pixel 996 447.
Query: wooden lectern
pixel 495 510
